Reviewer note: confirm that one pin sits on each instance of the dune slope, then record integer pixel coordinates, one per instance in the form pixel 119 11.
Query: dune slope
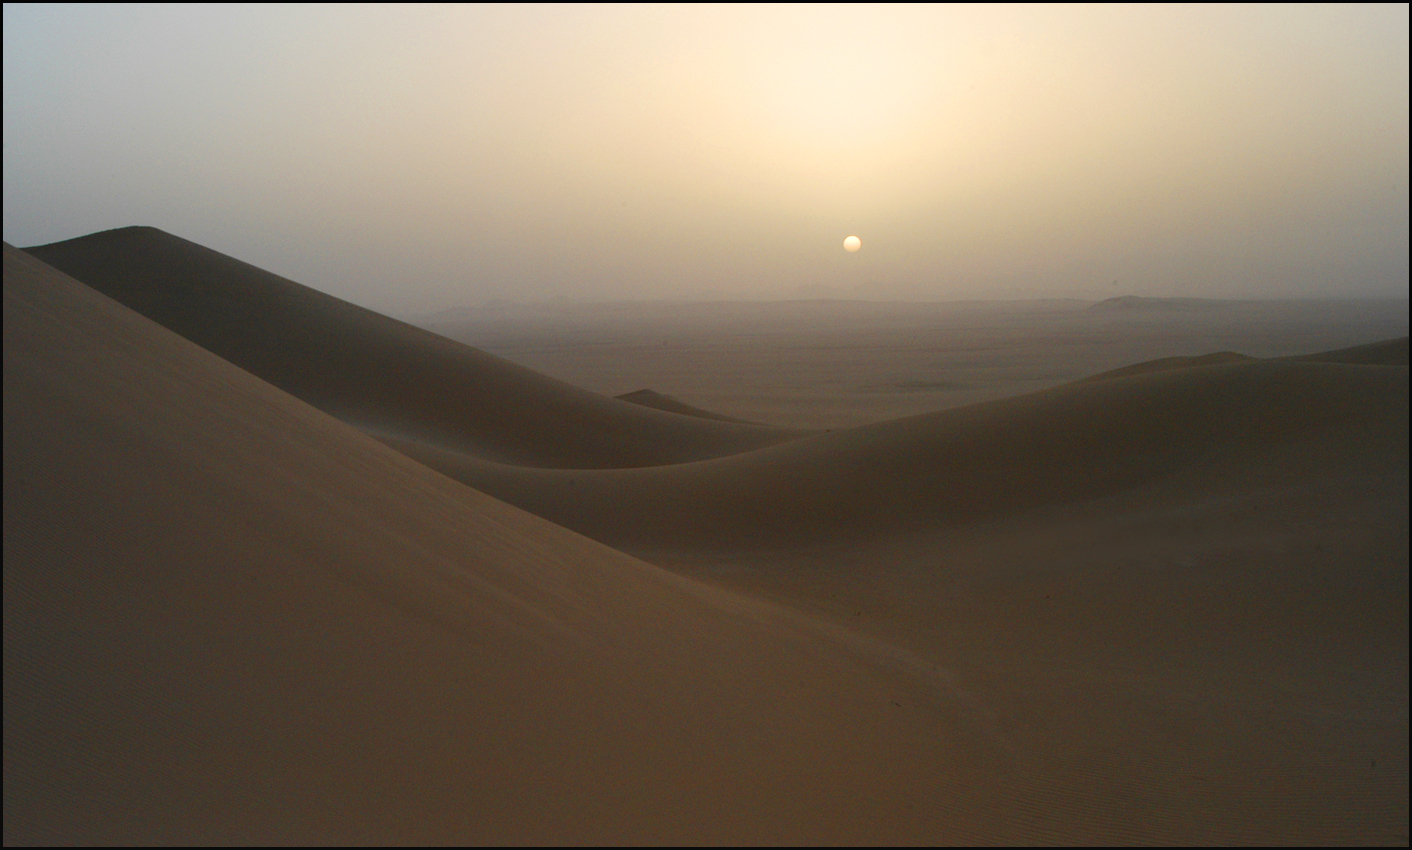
pixel 232 618
pixel 1246 422
pixel 1392 352
pixel 1168 607
pixel 1180 597
pixel 1168 665
pixel 1165 363
pixel 379 373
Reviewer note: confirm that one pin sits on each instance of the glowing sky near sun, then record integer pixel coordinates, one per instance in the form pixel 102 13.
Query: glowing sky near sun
pixel 420 158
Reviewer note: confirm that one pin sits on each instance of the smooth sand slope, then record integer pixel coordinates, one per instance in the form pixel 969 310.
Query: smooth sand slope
pixel 1166 606
pixel 1392 352
pixel 1179 597
pixel 231 618
pixel 1083 441
pixel 378 372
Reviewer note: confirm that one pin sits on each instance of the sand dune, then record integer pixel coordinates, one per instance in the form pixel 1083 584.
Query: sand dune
pixel 1169 664
pixel 1165 363
pixel 231 618
pixel 1167 606
pixel 842 364
pixel 1392 352
pixel 380 373
pixel 1179 595
pixel 990 460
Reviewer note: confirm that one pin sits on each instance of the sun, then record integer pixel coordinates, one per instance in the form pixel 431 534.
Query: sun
pixel 852 243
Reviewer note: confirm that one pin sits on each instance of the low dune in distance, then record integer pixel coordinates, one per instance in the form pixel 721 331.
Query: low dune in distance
pixel 1392 352
pixel 982 462
pixel 839 364
pixel 1165 604
pixel 1141 303
pixel 1165 363
pixel 654 399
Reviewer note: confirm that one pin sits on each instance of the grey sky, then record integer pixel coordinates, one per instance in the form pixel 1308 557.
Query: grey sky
pixel 417 158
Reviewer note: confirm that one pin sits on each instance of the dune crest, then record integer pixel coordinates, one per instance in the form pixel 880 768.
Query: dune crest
pixel 380 373
pixel 1074 443
pixel 1392 352
pixel 1165 363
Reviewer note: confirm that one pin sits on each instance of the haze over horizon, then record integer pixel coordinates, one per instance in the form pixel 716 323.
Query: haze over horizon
pixel 420 159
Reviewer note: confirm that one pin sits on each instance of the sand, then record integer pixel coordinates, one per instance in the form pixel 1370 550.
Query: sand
pixel 1165 606
pixel 839 364
pixel 1261 424
pixel 379 372
pixel 231 618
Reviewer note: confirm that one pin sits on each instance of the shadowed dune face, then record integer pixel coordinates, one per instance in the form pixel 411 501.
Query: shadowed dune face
pixel 231 618
pixel 991 460
pixel 1181 663
pixel 380 373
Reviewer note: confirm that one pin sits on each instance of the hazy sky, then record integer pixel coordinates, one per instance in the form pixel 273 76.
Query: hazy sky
pixel 415 158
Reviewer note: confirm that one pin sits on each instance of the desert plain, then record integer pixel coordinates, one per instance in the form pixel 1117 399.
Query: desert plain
pixel 278 568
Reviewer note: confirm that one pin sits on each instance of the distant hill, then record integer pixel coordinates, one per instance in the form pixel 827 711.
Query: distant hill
pixel 1170 305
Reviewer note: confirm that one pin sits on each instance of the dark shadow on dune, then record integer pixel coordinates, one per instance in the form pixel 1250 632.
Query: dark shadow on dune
pixel 364 367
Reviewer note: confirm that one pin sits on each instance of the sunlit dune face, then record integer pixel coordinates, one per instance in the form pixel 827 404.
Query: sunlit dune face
pixel 852 243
